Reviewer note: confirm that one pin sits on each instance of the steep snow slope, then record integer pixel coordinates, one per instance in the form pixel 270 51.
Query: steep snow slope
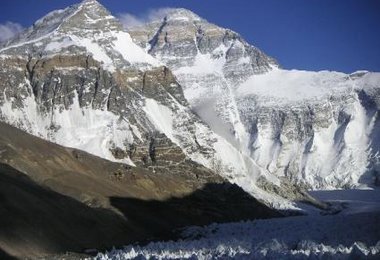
pixel 77 79
pixel 354 233
pixel 88 27
pixel 314 127
pixel 318 129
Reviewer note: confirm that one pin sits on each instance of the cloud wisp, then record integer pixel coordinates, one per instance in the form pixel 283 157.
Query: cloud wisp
pixel 9 30
pixel 131 20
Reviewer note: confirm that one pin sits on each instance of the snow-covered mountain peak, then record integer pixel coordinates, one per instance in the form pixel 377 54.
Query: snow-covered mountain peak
pixel 92 16
pixel 181 14
pixel 86 28
pixel 87 15
pixel 90 2
pixel 182 39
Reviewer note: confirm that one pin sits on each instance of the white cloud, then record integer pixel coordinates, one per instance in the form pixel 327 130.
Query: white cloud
pixel 8 30
pixel 130 20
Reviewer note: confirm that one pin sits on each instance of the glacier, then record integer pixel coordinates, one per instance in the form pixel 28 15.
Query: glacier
pixel 351 233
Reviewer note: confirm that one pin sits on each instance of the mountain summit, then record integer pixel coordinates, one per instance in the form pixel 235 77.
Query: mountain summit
pixel 182 37
pixel 87 27
pixel 181 14
pixel 86 17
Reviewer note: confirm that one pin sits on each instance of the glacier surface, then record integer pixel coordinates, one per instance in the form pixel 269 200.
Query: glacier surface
pixel 352 233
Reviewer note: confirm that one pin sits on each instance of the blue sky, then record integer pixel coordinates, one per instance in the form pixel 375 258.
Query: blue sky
pixel 342 35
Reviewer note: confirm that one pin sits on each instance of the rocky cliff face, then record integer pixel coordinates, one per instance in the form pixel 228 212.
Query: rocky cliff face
pixel 77 79
pixel 318 129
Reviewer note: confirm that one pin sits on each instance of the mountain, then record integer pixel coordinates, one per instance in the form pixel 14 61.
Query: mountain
pixel 76 78
pixel 109 137
pixel 316 129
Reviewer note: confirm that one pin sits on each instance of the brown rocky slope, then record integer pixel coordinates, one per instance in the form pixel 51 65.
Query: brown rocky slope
pixel 56 199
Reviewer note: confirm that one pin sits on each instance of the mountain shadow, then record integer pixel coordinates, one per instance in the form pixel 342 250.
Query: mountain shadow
pixel 5 256
pixel 215 202
pixel 36 221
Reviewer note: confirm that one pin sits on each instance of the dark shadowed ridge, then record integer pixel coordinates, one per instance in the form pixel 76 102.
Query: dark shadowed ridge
pixel 5 256
pixel 215 202
pixel 34 218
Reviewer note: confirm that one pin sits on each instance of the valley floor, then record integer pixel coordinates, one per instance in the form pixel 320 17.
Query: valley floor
pixel 350 231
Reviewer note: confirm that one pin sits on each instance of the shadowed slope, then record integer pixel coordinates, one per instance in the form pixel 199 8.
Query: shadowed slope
pixel 37 220
pixel 222 202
